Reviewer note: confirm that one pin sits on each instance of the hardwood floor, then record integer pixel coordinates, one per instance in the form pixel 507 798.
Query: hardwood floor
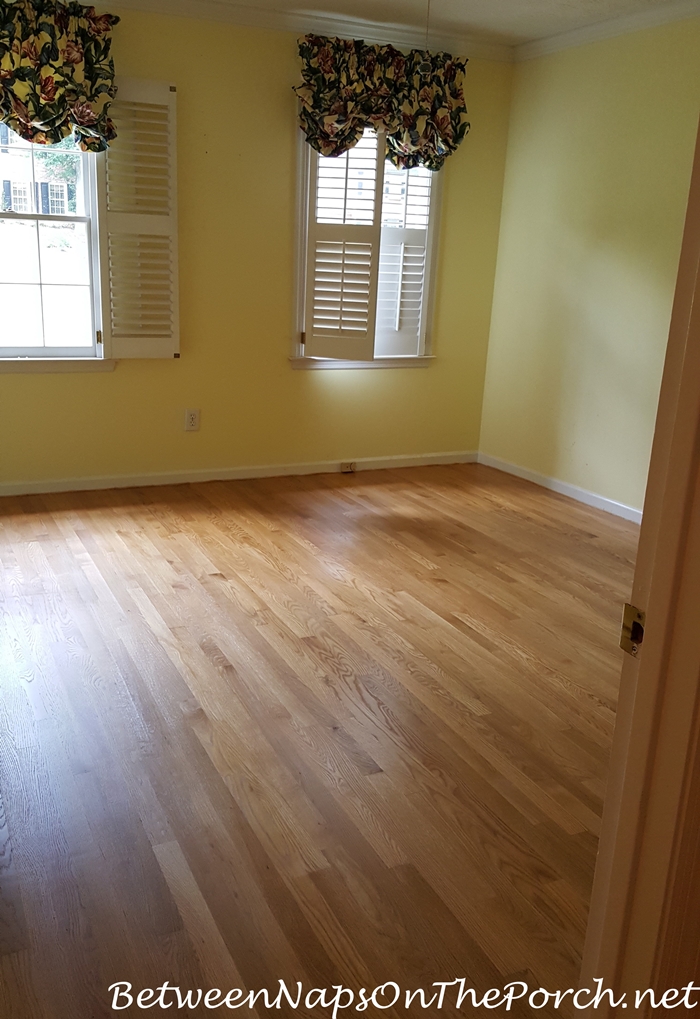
pixel 336 729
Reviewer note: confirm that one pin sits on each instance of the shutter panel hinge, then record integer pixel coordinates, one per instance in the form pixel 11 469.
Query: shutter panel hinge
pixel 99 336
pixel 632 632
pixel 302 339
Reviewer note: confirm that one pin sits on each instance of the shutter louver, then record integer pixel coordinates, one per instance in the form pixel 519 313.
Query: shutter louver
pixel 139 238
pixel 401 290
pixel 140 286
pixel 343 252
pixel 401 297
pixel 342 287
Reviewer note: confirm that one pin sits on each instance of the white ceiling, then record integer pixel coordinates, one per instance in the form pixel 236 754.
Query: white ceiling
pixel 506 21
pixel 497 28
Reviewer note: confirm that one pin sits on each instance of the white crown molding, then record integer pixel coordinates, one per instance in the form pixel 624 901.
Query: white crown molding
pixel 672 10
pixel 406 36
pixel 299 22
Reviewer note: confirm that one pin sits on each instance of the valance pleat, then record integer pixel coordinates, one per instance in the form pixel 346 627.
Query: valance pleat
pixel 416 98
pixel 56 73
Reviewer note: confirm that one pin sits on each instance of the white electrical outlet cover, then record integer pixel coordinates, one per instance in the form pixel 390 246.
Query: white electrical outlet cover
pixel 192 420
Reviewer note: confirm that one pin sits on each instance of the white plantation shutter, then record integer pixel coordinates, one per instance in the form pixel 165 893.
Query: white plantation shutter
pixel 138 219
pixel 343 252
pixel 403 263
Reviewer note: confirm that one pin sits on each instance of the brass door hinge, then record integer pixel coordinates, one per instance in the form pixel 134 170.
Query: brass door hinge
pixel 302 339
pixel 99 336
pixel 632 632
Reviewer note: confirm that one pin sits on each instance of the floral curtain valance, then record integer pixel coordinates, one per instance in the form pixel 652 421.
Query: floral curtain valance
pixel 56 74
pixel 416 98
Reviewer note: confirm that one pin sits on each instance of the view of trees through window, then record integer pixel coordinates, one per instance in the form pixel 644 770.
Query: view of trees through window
pixel 22 164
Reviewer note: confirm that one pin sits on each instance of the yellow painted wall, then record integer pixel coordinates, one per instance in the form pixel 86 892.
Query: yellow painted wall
pixel 237 164
pixel 598 167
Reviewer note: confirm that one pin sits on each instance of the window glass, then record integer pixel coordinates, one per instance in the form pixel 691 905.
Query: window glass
pixel 58 172
pixel 20 311
pixel 406 201
pixel 346 184
pixel 45 258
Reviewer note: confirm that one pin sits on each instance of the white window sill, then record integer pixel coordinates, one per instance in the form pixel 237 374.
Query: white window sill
pixel 316 363
pixel 31 365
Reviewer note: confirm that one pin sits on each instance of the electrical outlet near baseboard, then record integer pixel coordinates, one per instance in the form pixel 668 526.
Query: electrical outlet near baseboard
pixel 192 420
pixel 348 467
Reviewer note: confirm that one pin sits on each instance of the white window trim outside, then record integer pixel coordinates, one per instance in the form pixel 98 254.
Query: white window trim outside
pixel 298 359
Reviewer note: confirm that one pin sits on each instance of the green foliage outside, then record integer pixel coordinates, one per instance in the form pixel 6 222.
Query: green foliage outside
pixel 60 162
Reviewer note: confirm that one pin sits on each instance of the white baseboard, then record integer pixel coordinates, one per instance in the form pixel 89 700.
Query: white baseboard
pixel 563 488
pixel 227 474
pixel 316 467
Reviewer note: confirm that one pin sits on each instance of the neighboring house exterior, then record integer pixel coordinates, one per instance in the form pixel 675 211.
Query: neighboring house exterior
pixel 24 184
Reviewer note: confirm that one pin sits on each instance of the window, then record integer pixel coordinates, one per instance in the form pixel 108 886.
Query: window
pixel 88 242
pixel 46 265
pixel 19 197
pixel 57 199
pixel 367 253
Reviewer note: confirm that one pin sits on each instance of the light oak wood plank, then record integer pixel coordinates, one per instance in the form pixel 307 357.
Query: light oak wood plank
pixel 337 729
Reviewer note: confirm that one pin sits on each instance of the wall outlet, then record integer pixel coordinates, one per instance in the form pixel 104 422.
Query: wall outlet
pixel 192 420
pixel 348 467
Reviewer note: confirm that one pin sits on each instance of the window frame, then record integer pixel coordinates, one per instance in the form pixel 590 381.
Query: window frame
pixel 304 199
pixel 95 352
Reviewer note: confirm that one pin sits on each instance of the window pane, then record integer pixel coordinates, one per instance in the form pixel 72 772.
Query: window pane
pixel 16 174
pixel 45 266
pixel 67 316
pixel 19 252
pixel 58 170
pixel 406 200
pixel 20 315
pixel 41 179
pixel 64 253
pixel 346 184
